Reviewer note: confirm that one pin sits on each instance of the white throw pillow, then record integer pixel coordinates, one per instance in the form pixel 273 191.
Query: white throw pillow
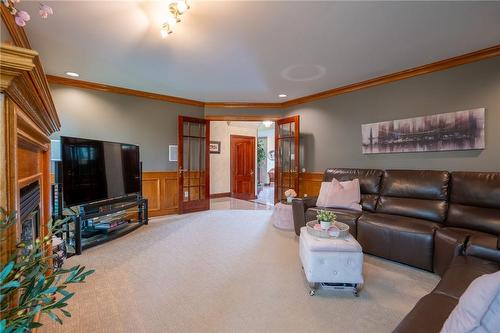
pixel 337 194
pixel 478 309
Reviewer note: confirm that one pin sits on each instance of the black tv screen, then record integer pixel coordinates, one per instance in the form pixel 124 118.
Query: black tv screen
pixel 95 170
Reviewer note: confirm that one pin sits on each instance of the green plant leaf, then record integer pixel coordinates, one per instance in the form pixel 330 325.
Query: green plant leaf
pixel 6 270
pixel 54 317
pixel 66 313
pixel 10 284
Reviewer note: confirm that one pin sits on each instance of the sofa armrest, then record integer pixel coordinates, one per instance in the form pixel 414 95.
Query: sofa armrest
pixel 299 208
pixel 448 243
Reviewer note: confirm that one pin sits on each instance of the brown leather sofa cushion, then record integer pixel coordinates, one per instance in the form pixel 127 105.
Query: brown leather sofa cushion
pixel 369 182
pixel 403 239
pixel 461 272
pixel 346 216
pixel 484 246
pixel 475 201
pixel 428 315
pixel 421 194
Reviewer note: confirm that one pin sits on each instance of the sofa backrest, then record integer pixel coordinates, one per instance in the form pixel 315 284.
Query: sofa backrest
pixel 421 194
pixel 475 201
pixel 369 182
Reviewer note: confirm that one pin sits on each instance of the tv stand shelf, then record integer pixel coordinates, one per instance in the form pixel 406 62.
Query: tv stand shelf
pixel 81 233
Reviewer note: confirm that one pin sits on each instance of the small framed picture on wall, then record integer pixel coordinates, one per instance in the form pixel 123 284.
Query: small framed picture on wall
pixel 214 147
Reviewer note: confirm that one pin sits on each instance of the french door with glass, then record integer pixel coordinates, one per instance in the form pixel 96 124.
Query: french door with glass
pixel 286 157
pixel 193 164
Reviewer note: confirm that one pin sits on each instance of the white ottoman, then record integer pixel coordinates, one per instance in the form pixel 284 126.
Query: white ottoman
pixel 331 262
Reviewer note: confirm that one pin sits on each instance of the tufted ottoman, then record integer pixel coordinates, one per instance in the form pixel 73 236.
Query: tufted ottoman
pixel 332 262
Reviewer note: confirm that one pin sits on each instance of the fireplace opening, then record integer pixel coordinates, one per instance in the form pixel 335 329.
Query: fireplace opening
pixel 30 212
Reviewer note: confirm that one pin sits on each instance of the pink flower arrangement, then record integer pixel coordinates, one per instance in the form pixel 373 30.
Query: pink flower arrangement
pixel 45 11
pixel 21 16
pixel 290 193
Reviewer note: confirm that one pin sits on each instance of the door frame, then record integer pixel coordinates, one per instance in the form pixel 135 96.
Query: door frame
pixel 232 165
pixel 203 204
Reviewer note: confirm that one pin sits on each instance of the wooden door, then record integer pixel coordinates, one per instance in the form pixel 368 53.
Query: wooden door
pixel 243 167
pixel 286 157
pixel 193 164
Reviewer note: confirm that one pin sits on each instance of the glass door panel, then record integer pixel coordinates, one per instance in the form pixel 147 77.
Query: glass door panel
pixel 287 157
pixel 193 164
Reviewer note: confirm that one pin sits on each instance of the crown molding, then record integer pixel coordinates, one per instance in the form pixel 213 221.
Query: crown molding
pixel 120 90
pixel 30 90
pixel 490 52
pixel 243 105
pixel 13 62
pixel 243 117
pixel 34 83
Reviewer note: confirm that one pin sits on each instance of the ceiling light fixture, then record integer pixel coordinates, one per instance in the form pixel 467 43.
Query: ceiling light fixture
pixel 73 74
pixel 176 8
pixel 267 123
pixel 282 95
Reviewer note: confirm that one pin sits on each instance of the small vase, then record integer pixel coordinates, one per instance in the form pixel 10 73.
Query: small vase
pixel 289 200
pixel 325 224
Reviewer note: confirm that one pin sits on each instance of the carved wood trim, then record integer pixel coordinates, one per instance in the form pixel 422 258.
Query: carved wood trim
pixel 14 61
pixel 30 90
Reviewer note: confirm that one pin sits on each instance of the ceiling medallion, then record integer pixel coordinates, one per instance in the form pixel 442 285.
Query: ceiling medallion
pixel 176 10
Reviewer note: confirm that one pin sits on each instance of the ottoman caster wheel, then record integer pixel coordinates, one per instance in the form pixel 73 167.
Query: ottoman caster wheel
pixel 313 287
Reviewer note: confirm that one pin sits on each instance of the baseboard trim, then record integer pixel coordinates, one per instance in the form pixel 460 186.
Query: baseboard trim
pixel 220 195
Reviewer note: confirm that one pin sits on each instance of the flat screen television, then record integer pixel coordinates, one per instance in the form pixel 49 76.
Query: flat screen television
pixel 95 170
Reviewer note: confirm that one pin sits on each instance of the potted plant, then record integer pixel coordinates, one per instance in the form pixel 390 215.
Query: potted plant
pixel 326 218
pixel 30 286
pixel 290 194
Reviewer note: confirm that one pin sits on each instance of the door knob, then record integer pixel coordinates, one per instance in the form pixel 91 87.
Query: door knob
pixel 251 172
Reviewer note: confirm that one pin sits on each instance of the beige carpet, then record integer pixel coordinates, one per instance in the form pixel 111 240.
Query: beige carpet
pixel 227 271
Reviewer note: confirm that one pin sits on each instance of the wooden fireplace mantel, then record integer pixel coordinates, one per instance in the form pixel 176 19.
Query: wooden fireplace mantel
pixel 27 118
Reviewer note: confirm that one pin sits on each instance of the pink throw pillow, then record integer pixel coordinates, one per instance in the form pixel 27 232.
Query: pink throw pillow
pixel 323 194
pixel 337 194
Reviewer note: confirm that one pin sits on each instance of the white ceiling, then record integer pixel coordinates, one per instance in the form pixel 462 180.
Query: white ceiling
pixel 252 51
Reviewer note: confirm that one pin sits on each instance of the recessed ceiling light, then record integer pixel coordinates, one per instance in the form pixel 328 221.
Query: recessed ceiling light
pixel 73 74
pixel 282 95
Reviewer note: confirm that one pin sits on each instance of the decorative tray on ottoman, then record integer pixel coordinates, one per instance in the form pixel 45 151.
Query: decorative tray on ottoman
pixel 343 230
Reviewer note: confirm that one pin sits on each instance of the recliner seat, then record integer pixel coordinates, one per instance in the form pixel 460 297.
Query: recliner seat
pixel 412 206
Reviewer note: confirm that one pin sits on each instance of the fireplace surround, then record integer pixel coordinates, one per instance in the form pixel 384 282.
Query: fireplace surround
pixel 29 212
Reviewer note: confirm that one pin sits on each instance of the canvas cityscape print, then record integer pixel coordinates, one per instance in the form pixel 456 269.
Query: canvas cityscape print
pixel 462 130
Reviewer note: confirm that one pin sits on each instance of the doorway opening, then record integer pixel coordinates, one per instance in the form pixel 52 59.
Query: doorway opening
pixel 242 160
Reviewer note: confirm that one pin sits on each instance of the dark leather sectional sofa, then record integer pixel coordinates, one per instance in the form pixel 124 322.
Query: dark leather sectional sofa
pixel 443 222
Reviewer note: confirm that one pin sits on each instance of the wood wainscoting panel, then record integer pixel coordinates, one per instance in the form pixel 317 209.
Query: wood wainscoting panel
pixel 310 183
pixel 160 187
pixel 151 189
